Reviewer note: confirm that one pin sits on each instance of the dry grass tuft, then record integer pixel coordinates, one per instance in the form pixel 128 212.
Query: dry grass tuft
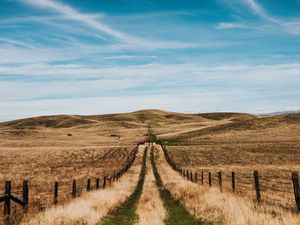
pixel 217 207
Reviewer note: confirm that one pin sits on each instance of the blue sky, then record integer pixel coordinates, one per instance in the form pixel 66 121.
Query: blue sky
pixel 103 56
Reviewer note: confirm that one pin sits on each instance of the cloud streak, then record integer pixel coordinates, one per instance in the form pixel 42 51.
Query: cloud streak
pixel 291 26
pixel 224 25
pixel 259 83
pixel 89 20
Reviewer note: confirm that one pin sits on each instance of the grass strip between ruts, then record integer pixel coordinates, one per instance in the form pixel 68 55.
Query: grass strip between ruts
pixel 177 214
pixel 126 213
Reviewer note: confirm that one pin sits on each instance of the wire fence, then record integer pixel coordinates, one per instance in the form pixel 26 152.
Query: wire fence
pixel 42 196
pixel 280 188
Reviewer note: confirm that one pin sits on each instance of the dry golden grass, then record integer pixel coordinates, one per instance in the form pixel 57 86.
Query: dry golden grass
pixel 40 150
pixel 93 206
pixel 270 145
pixel 217 207
pixel 42 167
pixel 150 208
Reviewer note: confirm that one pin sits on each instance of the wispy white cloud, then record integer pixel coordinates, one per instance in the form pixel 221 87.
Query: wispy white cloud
pixel 17 43
pixel 291 26
pixel 89 20
pixel 73 14
pixel 225 25
pixel 41 19
pixel 179 87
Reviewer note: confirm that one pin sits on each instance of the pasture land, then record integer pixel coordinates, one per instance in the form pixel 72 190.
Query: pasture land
pixel 61 148
pixel 270 145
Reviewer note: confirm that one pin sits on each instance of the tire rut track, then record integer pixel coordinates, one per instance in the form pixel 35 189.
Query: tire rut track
pixel 150 210
pixel 126 213
pixel 177 214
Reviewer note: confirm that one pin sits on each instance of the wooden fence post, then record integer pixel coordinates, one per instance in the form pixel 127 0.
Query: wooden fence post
pixel 233 181
pixel 7 198
pixel 295 179
pixel 209 179
pixel 104 182
pixel 74 189
pixel 196 177
pixel 55 193
pixel 97 183
pixel 257 187
pixel 191 176
pixel 202 177
pixel 88 185
pixel 25 192
pixel 220 180
pixel 187 175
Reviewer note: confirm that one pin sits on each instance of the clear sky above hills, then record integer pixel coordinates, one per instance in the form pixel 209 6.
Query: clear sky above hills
pixel 100 56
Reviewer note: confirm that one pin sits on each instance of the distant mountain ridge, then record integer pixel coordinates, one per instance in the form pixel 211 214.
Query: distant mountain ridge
pixel 283 112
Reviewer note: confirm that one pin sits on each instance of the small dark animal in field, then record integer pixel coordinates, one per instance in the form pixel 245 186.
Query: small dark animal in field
pixel 115 135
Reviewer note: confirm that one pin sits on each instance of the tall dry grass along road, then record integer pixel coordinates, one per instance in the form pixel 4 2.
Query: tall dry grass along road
pixel 216 206
pixel 91 208
pixel 49 149
pixel 128 201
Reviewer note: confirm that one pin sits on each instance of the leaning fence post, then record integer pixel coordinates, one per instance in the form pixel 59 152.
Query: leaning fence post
pixel 88 185
pixel 74 189
pixel 25 192
pixel 295 179
pixel 220 180
pixel 209 179
pixel 7 198
pixel 233 181
pixel 55 193
pixel 257 187
pixel 104 182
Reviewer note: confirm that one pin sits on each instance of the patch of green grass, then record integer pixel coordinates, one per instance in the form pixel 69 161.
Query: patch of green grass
pixel 126 213
pixel 177 214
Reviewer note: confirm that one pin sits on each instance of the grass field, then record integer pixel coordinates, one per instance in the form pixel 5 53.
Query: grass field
pixel 267 144
pixel 61 148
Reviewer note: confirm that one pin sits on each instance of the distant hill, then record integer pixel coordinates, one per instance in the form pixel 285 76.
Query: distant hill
pixel 141 119
pixel 227 115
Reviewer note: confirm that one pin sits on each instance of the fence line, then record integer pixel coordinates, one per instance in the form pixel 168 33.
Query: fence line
pixel 256 179
pixel 8 196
